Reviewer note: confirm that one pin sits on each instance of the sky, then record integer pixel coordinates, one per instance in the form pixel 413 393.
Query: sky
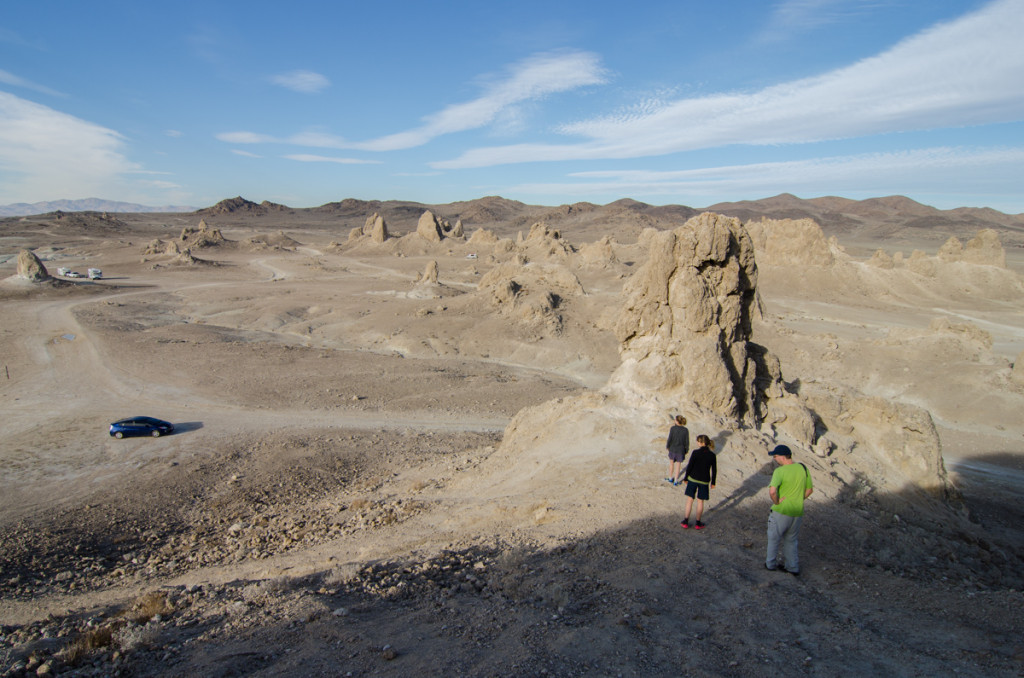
pixel 688 102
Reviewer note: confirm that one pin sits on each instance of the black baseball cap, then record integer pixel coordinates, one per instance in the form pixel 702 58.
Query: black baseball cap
pixel 781 450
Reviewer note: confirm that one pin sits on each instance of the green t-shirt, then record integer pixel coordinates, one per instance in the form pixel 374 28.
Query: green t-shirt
pixel 790 481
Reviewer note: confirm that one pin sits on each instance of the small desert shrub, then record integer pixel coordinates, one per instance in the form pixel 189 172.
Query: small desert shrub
pixel 360 504
pixel 276 585
pixel 132 636
pixel 342 574
pixel 148 606
pixel 86 643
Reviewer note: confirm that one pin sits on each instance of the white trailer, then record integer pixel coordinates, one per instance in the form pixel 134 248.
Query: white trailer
pixel 63 270
pixel 95 274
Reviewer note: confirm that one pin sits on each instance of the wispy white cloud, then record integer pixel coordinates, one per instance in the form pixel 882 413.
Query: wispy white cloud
pixel 45 153
pixel 174 133
pixel 308 139
pixel 933 169
pixel 528 80
pixel 162 185
pixel 11 79
pixel 306 82
pixel 793 17
pixel 246 138
pixel 302 157
pixel 245 154
pixel 966 72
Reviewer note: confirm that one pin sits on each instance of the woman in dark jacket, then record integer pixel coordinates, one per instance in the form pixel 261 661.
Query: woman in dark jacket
pixel 678 445
pixel 701 474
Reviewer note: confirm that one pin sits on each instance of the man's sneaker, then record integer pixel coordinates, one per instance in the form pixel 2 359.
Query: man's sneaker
pixel 699 525
pixel 770 567
pixel 670 480
pixel 685 523
pixel 795 574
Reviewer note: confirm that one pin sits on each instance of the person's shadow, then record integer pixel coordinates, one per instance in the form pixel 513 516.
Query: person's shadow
pixel 751 486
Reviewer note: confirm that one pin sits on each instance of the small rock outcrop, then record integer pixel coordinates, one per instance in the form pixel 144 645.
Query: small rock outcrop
pixel 376 228
pixel 201 236
pixel 30 267
pixel 790 242
pixel 881 259
pixel 1017 375
pixel 951 250
pixel 429 228
pixel 598 254
pixel 530 294
pixel 985 249
pixel 429 274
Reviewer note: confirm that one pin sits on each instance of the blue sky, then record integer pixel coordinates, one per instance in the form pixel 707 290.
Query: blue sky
pixel 688 101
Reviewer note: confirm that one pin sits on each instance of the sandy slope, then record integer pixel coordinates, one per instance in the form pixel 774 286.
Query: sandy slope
pixel 337 500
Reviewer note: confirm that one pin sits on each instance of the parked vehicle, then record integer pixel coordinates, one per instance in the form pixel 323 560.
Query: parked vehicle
pixel 63 270
pixel 74 274
pixel 141 426
pixel 95 274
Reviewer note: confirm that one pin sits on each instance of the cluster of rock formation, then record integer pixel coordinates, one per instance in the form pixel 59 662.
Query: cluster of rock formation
pixel 685 332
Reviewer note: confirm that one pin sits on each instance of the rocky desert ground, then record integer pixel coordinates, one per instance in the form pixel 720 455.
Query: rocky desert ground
pixel 429 439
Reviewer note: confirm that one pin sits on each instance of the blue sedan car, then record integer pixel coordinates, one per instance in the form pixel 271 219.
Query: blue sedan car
pixel 141 426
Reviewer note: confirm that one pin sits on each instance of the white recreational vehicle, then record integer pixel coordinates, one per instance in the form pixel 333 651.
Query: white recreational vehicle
pixel 95 274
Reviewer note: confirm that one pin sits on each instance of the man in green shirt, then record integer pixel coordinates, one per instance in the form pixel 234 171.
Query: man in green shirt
pixel 791 484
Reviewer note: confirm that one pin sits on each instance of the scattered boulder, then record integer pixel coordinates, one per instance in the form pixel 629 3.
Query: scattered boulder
pixel 30 267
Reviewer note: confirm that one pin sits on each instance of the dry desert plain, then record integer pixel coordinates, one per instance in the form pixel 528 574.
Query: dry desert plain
pixel 408 455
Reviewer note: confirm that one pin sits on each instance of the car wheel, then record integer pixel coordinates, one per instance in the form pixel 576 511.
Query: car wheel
pixel 155 433
pixel 119 434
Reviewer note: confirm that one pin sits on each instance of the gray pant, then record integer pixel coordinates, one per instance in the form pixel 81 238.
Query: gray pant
pixel 784 530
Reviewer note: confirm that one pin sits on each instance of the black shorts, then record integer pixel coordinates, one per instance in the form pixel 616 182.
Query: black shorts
pixel 675 455
pixel 701 490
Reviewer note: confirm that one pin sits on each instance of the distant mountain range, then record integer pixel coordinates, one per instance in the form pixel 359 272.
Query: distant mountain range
pixel 887 217
pixel 20 209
